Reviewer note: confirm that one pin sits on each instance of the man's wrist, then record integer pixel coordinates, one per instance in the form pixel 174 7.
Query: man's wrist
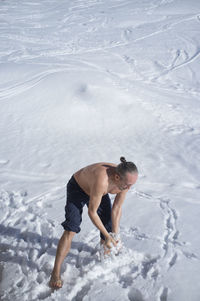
pixel 107 235
pixel 114 235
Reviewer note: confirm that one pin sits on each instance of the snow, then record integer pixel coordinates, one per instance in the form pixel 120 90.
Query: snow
pixel 90 81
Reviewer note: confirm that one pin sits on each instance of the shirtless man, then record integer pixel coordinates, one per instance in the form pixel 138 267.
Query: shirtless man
pixel 91 185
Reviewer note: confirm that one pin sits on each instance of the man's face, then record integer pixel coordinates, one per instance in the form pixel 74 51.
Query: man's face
pixel 127 181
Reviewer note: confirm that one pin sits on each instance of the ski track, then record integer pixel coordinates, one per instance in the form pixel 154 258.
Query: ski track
pixel 18 88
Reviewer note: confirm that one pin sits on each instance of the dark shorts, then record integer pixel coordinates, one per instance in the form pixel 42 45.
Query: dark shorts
pixel 76 199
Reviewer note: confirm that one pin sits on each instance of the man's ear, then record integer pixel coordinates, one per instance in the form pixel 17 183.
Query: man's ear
pixel 117 177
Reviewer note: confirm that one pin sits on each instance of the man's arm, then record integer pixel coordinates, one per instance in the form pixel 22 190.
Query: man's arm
pixel 117 210
pixel 97 191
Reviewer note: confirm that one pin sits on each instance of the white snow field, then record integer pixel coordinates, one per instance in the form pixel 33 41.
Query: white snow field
pixel 87 81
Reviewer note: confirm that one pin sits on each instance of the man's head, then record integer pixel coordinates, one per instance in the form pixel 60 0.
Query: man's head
pixel 126 174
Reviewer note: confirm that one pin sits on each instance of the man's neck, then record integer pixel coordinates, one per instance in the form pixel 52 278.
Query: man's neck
pixel 111 173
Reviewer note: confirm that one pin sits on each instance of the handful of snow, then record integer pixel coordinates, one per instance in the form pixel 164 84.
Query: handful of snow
pixel 115 250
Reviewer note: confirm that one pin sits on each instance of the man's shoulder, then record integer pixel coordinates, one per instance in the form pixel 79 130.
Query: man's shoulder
pixel 101 176
pixel 102 167
pixel 98 184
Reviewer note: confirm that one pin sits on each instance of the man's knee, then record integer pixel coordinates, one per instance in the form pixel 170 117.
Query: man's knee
pixel 68 234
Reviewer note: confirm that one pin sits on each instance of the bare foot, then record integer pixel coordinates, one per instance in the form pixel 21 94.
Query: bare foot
pixel 55 282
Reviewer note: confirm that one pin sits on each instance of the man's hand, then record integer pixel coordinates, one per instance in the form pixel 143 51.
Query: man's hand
pixel 112 245
pixel 109 241
pixel 115 236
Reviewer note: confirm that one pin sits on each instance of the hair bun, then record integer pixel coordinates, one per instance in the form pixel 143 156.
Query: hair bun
pixel 122 159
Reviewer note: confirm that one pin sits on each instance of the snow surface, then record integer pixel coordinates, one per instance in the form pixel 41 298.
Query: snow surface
pixel 88 81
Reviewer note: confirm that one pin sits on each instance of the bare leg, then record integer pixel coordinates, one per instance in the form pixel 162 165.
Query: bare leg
pixel 63 248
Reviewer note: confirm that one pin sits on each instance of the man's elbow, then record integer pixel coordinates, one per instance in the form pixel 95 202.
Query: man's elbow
pixel 91 212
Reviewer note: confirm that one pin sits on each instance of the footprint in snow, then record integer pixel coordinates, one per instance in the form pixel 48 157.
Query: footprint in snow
pixel 135 295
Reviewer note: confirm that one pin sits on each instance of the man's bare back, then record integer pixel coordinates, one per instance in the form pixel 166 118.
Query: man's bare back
pixel 86 176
